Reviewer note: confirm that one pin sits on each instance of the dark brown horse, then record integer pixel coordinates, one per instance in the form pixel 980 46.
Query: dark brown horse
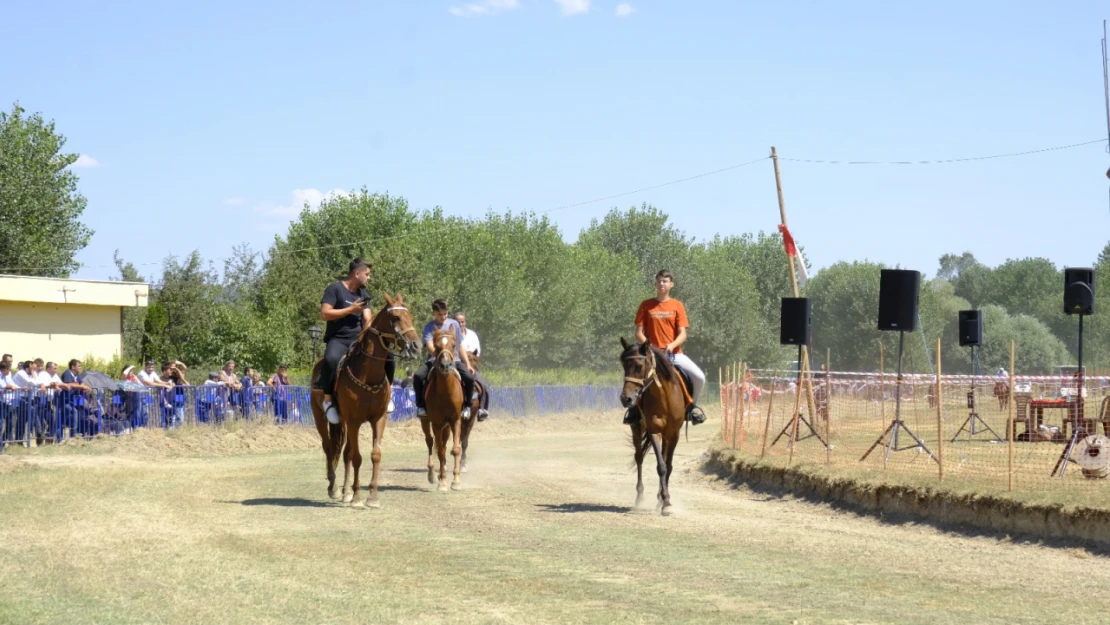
pixel 653 387
pixel 1002 392
pixel 468 424
pixel 362 394
pixel 444 401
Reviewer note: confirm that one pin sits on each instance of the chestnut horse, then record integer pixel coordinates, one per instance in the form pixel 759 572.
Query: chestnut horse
pixel 444 401
pixel 468 424
pixel 652 387
pixel 1002 392
pixel 362 394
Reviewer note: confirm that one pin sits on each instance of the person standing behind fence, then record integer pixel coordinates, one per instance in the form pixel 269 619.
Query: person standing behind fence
pixel 279 381
pixel 176 395
pixel 8 402
pixel 474 346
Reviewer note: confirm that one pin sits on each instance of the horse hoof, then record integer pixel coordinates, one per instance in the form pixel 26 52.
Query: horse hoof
pixel 356 504
pixel 442 488
pixel 332 494
pixel 376 505
pixel 463 469
pixel 431 477
pixel 668 510
pixel 348 497
pixel 456 486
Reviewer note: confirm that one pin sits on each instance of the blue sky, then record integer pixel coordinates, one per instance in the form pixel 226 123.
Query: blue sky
pixel 207 123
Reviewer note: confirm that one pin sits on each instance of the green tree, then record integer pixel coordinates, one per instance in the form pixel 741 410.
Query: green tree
pixel 134 318
pixel 41 231
pixel 1037 349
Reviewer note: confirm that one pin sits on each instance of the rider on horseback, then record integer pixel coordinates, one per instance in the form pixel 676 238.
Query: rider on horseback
pixel 346 308
pixel 662 321
pixel 466 372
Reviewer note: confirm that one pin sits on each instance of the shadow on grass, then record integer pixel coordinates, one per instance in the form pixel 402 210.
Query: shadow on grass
pixel 409 470
pixel 284 502
pixel 389 487
pixel 572 508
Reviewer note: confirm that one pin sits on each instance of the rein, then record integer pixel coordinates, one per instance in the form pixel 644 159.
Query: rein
pixel 393 347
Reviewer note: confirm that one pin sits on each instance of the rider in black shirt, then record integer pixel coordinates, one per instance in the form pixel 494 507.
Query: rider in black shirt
pixel 346 308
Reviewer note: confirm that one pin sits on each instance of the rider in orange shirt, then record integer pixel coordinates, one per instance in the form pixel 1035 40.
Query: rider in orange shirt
pixel 662 321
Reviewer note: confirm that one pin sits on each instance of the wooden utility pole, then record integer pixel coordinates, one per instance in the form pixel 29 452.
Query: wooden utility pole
pixel 940 428
pixel 804 365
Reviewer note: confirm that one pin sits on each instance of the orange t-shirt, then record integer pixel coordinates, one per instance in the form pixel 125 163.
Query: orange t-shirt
pixel 661 321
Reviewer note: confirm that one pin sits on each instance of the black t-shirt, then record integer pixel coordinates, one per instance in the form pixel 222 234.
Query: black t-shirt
pixel 339 296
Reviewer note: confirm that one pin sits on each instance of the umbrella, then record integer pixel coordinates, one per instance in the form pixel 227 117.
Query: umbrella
pixel 96 379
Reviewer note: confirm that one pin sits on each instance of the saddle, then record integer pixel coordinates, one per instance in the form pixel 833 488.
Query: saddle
pixel 686 386
pixel 458 376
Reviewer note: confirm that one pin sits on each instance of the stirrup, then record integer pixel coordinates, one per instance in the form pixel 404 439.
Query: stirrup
pixel 483 414
pixel 465 414
pixel 421 411
pixel 694 414
pixel 390 408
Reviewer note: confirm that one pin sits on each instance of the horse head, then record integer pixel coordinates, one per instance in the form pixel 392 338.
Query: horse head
pixel 445 345
pixel 399 337
pixel 638 362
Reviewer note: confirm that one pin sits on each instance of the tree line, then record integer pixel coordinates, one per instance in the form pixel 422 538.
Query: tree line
pixel 538 301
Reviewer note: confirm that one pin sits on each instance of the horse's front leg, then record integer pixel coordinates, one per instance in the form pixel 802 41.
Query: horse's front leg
pixel 378 428
pixel 669 447
pixel 334 451
pixel 660 465
pixel 426 425
pixel 441 451
pixel 356 463
pixel 348 494
pixel 456 451
pixel 638 443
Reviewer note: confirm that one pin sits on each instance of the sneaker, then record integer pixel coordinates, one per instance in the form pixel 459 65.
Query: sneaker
pixel 331 413
pixel 421 411
pixel 465 413
pixel 390 408
pixel 483 414
pixel 695 415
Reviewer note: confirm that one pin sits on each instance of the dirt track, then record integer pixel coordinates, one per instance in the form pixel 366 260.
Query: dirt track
pixel 541 533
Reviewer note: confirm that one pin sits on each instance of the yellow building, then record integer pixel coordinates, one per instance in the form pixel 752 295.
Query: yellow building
pixel 59 319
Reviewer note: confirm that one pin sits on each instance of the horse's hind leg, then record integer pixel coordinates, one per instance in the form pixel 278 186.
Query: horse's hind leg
pixel 456 451
pixel 467 426
pixel 356 462
pixel 334 450
pixel 426 425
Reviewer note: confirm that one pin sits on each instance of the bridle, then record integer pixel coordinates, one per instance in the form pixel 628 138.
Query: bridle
pixel 645 382
pixel 390 341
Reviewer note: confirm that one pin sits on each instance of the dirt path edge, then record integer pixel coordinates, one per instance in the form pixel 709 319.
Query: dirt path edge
pixel 1090 526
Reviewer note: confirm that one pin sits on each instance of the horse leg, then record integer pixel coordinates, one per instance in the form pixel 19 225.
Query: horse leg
pixel 378 428
pixel 669 447
pixel 356 462
pixel 660 465
pixel 456 451
pixel 426 425
pixel 441 451
pixel 467 426
pixel 638 444
pixel 334 451
pixel 346 469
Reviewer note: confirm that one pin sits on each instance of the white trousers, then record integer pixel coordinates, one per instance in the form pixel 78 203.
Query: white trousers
pixel 697 376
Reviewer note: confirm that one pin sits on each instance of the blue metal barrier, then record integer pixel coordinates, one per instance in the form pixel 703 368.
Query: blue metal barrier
pixel 54 415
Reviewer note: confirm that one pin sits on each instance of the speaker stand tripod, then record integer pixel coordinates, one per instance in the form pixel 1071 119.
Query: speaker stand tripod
pixel 973 419
pixel 897 427
pixel 1079 426
pixel 798 416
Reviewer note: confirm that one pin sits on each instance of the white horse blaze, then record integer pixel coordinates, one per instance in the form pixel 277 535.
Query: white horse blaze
pixel 443 341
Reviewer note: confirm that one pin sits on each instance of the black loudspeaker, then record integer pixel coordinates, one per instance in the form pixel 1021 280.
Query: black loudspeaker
pixel 794 329
pixel 898 290
pixel 971 328
pixel 1079 291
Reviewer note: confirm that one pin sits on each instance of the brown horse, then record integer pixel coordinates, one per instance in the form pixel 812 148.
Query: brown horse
pixel 444 401
pixel 468 424
pixel 1002 392
pixel 653 387
pixel 362 394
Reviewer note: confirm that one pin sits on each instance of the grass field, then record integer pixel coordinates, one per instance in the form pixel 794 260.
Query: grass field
pixel 217 526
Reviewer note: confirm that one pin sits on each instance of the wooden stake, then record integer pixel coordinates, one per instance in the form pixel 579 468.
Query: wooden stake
pixel 739 424
pixel 725 394
pixel 770 410
pixel 828 406
pixel 1010 424
pixel 940 428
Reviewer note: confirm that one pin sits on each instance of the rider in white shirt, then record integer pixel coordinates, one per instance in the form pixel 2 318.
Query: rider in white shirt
pixel 474 346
